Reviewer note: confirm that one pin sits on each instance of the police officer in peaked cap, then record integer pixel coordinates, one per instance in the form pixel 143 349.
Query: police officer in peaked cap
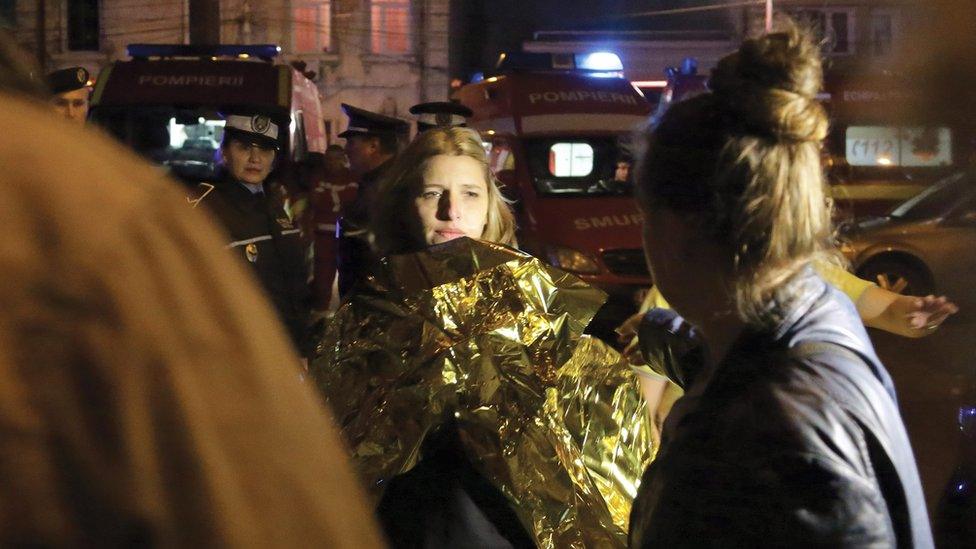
pixel 372 142
pixel 440 114
pixel 71 88
pixel 261 232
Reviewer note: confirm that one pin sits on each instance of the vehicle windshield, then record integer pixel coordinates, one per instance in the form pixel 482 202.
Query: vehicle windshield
pixel 581 166
pixel 185 141
pixel 935 201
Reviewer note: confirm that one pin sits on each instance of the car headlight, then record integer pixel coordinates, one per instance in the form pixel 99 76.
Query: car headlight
pixel 572 260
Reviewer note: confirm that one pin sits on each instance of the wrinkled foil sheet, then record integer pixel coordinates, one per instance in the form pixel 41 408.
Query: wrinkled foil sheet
pixel 493 338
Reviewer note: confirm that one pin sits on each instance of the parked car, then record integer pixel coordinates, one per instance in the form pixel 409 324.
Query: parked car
pixel 925 245
pixel 954 520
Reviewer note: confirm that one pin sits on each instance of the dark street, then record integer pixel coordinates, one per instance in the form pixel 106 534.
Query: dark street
pixel 934 377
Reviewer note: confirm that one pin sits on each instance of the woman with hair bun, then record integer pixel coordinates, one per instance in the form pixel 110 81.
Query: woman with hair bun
pixel 789 433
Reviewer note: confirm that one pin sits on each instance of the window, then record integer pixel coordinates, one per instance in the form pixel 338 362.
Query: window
pixel 8 13
pixel 584 165
pixel 840 32
pixel 500 157
pixel 913 147
pixel 299 147
pixel 183 141
pixel 570 159
pixel 833 26
pixel 390 26
pixel 312 26
pixel 83 27
pixel 882 33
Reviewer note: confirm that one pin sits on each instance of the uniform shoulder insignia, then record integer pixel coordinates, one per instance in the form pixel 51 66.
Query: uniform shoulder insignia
pixel 201 192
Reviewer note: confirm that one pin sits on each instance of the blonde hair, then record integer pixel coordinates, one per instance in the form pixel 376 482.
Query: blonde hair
pixel 394 232
pixel 745 159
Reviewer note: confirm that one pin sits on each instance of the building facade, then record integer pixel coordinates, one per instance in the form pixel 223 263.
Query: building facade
pixel 856 34
pixel 381 55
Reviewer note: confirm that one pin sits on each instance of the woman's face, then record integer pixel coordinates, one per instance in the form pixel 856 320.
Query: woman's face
pixel 666 241
pixel 248 163
pixel 454 199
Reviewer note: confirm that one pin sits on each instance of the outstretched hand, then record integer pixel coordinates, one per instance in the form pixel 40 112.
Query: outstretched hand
pixel 927 313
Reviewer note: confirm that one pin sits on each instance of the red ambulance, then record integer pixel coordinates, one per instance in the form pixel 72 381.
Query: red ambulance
pixel 883 148
pixel 165 103
pixel 559 131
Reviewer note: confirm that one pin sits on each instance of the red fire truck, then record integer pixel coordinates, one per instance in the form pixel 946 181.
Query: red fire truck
pixel 165 103
pixel 882 147
pixel 558 129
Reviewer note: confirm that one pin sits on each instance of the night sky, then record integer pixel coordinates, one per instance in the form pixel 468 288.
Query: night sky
pixel 492 26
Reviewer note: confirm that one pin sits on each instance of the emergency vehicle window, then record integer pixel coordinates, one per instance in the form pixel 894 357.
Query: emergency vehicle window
pixel 184 141
pixel 571 159
pixel 193 146
pixel 580 165
pixel 500 157
pixel 911 147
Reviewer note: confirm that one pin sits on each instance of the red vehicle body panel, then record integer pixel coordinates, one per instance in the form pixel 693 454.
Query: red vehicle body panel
pixel 251 84
pixel 512 108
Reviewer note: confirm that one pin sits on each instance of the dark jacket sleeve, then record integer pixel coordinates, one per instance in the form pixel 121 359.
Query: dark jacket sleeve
pixel 767 459
pixel 785 500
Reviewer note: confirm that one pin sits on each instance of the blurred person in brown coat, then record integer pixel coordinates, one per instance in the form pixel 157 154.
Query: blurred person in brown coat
pixel 142 400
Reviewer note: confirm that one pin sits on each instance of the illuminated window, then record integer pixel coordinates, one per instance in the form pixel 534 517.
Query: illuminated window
pixel 313 26
pixel 570 159
pixel 390 26
pixel 886 146
pixel 83 25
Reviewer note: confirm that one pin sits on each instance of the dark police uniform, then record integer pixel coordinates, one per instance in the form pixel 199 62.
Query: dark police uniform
pixel 264 236
pixel 354 257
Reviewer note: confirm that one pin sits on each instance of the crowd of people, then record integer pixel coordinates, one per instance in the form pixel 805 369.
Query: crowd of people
pixel 452 392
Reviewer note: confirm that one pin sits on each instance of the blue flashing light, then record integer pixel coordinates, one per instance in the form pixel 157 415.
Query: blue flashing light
pixel 689 66
pixel 243 51
pixel 477 77
pixel 605 74
pixel 599 61
pixel 967 420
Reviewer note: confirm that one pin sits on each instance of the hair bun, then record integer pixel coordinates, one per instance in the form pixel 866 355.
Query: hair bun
pixel 769 86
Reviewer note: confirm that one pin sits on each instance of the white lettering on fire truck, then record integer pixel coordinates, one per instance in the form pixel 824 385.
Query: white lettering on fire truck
pixel 190 80
pixel 585 223
pixel 867 96
pixel 582 95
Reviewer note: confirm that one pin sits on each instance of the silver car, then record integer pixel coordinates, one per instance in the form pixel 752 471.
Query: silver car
pixel 926 245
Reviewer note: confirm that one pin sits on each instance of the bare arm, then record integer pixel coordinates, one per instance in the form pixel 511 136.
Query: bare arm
pixel 903 315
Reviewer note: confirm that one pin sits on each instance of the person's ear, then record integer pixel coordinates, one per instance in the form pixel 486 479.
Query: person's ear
pixel 374 144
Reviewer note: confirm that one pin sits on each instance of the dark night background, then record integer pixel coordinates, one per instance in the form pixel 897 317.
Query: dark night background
pixel 488 27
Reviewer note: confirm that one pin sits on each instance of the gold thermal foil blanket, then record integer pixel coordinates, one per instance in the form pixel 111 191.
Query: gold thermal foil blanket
pixel 491 338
